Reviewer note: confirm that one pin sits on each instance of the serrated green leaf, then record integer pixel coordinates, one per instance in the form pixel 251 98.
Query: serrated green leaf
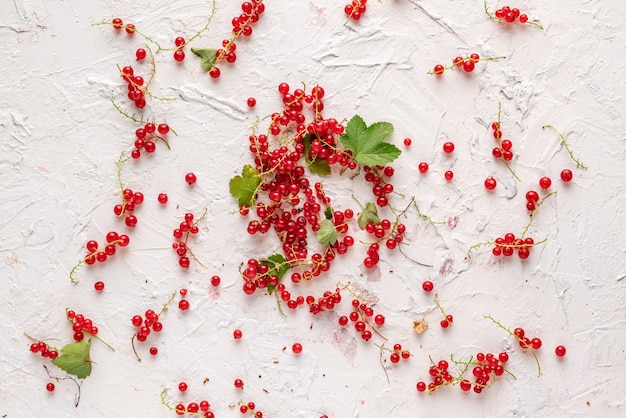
pixel 74 359
pixel 244 187
pixel 369 214
pixel 355 126
pixel 367 143
pixel 207 57
pixel 316 165
pixel 278 266
pixel 327 234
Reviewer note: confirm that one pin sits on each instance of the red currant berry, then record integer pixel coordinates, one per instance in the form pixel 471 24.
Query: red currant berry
pixel 117 23
pixel 439 69
pixel 162 198
pixel 448 147
pixel 190 178
pixel 427 286
pixel 154 351
pixel 183 305
pixel 99 286
pixel 566 175
pixel 422 167
pixel 215 281
pixel 448 175
pixel 179 55
pixel 179 41
pixel 50 387
pixel 560 351
pixel 251 102
pixel 490 183
pixel 239 383
pixel 182 386
pixel 130 28
pixel 532 196
pixel 215 72
pixel 296 348
pixel 545 182
pixel 421 386
pixel 407 142
pixel 468 66
pixel 535 343
pixel 237 334
pixel 140 53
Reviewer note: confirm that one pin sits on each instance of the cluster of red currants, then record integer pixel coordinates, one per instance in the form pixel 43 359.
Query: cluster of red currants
pixel 525 342
pixel 510 15
pixel 355 9
pixel 136 89
pixel 188 226
pixel 484 366
pixel 360 316
pixel 200 409
pixel 506 245
pixel 117 23
pixel 101 254
pixel 249 408
pixel 399 353
pixel 439 377
pixel 80 325
pixel 146 325
pixel 241 26
pixel 467 64
pixel 44 349
pixel 180 43
pixel 503 150
pixel 147 137
pixel 130 201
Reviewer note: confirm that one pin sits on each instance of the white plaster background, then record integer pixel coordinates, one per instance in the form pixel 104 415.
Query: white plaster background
pixel 60 137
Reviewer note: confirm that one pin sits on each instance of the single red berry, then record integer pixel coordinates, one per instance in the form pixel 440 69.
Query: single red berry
pixel 251 102
pixel 468 66
pixel 444 323
pixel 532 196
pixel 162 198
pixel 422 167
pixel 560 351
pixel 99 286
pixel 117 23
pixel 179 41
pixel 239 383
pixel 566 175
pixel 237 334
pixel 448 147
pixel 407 142
pixel 439 69
pixel 519 332
pixel 448 175
pixel 215 280
pixel 535 343
pixel 163 128
pixel 154 351
pixel 130 28
pixel 421 386
pixel 182 386
pixel 179 55
pixel 190 178
pixel 503 357
pixel 140 53
pixel 283 88
pixel 474 57
pixel 215 72
pixel 183 305
pixel 427 286
pixel 490 183
pixel 523 18
pixel 296 348
pixel 545 182
pixel 50 387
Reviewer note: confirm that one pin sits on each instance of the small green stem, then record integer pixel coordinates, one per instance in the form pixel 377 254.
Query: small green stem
pixel 579 164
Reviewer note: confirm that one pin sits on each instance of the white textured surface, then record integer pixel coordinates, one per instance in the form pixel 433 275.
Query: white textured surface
pixel 60 137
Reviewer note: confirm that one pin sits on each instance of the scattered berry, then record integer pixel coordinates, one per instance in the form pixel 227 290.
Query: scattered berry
pixel 50 387
pixel 560 351
pixel 566 175
pixel 422 167
pixel 490 183
pixel 190 178
pixel 251 102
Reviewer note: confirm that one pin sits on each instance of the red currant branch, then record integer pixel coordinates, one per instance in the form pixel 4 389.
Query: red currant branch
pixel 163 309
pixel 470 363
pixel 521 340
pixel 458 62
pixel 77 396
pixel 447 319
pixel 503 245
pixel 198 33
pixel 93 335
pixel 534 213
pixel 48 346
pixel 579 164
pixel 506 163
pixel 505 16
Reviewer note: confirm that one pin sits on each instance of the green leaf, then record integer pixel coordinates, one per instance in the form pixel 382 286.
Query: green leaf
pixel 368 143
pixel 244 187
pixel 207 57
pixel 74 359
pixel 369 214
pixel 316 165
pixel 278 266
pixel 328 212
pixel 327 234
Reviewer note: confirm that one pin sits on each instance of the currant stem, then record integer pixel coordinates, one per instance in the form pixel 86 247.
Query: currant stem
pixel 280 307
pixel 534 212
pixel 132 342
pixel 77 396
pixel 125 113
pixel 532 350
pixel 579 164
pixel 73 271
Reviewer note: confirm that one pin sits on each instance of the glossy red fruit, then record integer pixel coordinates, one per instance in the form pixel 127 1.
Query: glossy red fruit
pixel 566 175
pixel 490 183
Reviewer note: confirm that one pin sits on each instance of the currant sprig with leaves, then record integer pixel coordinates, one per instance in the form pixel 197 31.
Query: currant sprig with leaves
pixel 579 163
pixel 520 340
